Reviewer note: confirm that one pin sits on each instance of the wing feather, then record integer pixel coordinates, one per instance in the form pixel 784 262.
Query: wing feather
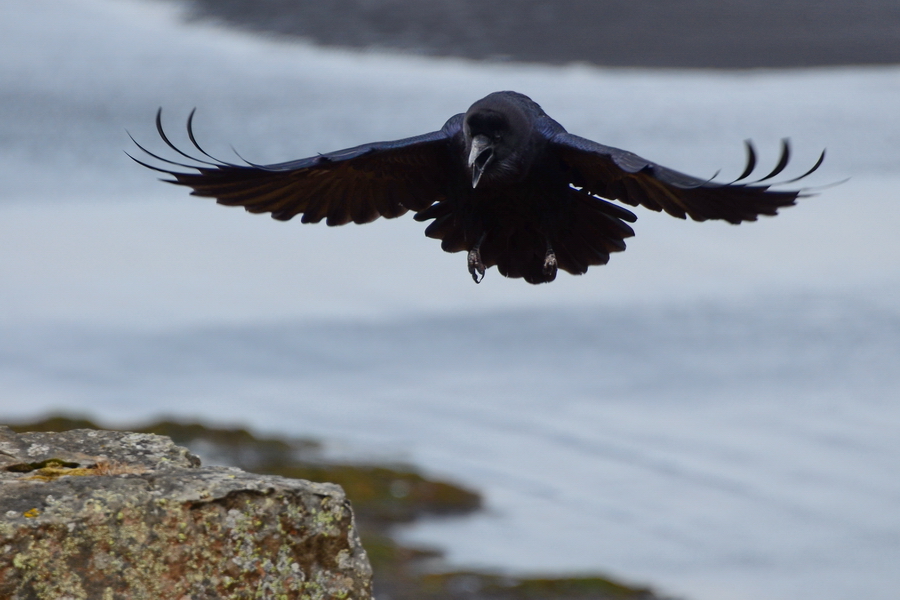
pixel 357 184
pixel 620 175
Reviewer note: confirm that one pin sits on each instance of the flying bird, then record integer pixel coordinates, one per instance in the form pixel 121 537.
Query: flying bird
pixel 502 182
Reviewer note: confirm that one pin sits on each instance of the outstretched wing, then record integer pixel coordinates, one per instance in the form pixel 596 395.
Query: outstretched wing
pixel 621 175
pixel 357 184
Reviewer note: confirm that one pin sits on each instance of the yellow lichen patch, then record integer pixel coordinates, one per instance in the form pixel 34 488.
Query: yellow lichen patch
pixel 30 514
pixel 50 463
pixel 55 469
pixel 51 473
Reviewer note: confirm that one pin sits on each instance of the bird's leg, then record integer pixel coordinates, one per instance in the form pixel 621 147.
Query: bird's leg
pixel 476 267
pixel 550 263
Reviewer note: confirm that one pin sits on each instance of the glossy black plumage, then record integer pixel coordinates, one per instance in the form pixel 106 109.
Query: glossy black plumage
pixel 503 182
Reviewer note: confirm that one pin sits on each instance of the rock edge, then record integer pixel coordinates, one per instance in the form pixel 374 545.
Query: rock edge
pixel 92 514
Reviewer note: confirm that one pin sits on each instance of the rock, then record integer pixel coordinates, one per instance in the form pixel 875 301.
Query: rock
pixel 105 515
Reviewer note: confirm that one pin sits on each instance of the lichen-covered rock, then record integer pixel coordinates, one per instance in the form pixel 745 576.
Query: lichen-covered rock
pixel 108 515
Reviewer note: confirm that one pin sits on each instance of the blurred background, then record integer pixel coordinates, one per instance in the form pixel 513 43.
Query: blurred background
pixel 715 413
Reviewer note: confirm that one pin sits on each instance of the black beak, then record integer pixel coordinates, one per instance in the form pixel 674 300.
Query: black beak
pixel 481 154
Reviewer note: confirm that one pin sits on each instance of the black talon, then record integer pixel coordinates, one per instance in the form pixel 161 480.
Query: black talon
pixel 476 266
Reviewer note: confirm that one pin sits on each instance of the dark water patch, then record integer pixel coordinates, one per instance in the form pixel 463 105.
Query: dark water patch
pixel 624 33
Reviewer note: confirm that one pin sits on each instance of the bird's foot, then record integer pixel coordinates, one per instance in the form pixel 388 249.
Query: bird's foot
pixel 550 264
pixel 476 267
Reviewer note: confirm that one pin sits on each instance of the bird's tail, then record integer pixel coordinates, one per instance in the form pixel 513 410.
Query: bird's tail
pixel 594 229
pixel 582 236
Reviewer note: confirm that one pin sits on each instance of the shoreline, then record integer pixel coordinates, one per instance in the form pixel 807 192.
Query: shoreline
pixel 383 496
pixel 740 34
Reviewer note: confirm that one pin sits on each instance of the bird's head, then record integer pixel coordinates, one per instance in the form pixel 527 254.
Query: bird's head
pixel 499 136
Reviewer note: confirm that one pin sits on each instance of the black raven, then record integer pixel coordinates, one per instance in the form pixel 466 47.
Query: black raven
pixel 503 182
